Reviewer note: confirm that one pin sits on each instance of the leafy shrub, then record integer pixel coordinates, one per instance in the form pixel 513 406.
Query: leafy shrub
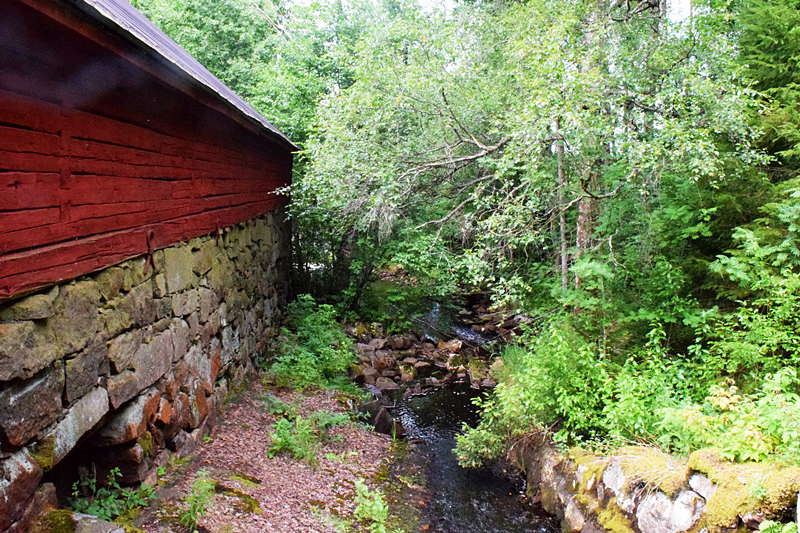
pixel 771 526
pixel 565 383
pixel 751 427
pixel 301 437
pixel 316 350
pixel 108 502
pixel 371 508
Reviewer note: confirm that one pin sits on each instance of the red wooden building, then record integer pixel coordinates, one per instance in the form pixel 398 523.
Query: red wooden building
pixel 114 142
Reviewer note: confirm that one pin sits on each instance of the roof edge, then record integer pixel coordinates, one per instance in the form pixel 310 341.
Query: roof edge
pixel 130 24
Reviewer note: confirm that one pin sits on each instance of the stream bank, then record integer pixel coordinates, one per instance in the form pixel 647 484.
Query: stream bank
pixel 636 489
pixel 640 489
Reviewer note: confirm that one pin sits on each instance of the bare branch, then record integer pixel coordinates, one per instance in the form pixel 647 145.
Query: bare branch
pixel 447 217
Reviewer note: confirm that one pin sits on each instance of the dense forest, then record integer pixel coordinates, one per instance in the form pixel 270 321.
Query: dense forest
pixel 622 173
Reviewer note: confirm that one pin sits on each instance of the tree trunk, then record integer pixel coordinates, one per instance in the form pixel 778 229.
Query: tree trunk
pixel 562 217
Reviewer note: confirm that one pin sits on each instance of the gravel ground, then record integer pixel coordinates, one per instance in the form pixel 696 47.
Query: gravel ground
pixel 293 496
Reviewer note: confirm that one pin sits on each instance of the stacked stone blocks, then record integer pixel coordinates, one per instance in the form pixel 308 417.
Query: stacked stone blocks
pixel 134 359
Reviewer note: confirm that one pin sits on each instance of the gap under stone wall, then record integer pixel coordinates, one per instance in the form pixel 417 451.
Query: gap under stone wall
pixel 112 369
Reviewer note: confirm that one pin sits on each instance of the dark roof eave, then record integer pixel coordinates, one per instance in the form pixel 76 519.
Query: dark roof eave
pixel 125 21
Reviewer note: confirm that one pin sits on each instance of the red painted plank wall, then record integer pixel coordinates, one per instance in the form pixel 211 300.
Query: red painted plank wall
pixel 102 159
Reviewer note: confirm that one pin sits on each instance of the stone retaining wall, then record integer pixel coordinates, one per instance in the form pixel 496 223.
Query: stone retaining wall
pixel 112 368
pixel 642 490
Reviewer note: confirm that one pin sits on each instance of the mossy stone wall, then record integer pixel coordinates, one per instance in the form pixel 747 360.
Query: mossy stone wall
pixel 642 490
pixel 116 367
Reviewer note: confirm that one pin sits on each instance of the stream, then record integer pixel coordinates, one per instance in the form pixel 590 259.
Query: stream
pixel 427 489
pixel 452 499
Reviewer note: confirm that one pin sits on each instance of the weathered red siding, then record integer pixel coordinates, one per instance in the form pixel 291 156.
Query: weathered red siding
pixel 105 154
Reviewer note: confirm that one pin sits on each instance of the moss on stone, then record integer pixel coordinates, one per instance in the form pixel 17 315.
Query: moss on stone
pixel 477 368
pixel 244 479
pixel 705 461
pixel 589 466
pixel 738 483
pixel 56 521
pixel 146 442
pixel 655 468
pixel 613 519
pixel 456 361
pixel 126 520
pixel 43 452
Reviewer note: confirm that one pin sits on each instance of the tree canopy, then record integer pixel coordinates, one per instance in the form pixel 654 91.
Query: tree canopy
pixel 626 178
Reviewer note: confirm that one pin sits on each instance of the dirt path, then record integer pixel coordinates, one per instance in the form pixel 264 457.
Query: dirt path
pixel 291 496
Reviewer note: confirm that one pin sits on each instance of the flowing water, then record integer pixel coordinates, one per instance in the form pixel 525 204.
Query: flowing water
pixel 442 323
pixel 452 499
pixel 427 488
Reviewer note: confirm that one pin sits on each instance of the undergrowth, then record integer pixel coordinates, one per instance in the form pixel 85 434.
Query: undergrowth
pixel 301 437
pixel 371 509
pixel 314 350
pixel 559 381
pixel 198 500
pixel 107 502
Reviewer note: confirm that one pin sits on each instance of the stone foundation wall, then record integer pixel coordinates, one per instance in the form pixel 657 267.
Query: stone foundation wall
pixel 111 369
pixel 642 490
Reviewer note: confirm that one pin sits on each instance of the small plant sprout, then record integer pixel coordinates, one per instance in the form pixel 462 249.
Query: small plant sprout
pixel 197 500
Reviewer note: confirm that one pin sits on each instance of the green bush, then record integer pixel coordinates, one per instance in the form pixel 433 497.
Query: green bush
pixel 371 508
pixel 315 350
pixel 110 501
pixel 301 437
pixel 752 427
pixel 568 385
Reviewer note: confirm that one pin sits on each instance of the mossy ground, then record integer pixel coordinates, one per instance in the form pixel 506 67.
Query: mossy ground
pixel 744 487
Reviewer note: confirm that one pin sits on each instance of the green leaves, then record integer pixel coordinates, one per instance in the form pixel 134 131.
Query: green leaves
pixel 753 427
pixel 316 351
pixel 107 501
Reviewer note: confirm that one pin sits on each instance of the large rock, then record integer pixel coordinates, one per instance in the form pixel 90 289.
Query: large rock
pixel 29 406
pixel 386 384
pixel 203 257
pixel 199 407
pixel 131 421
pixel 656 513
pixel 84 369
pixel 383 360
pixel 573 517
pixel 151 361
pixel 110 281
pixel 25 349
pixel 82 417
pixel 178 269
pixel 122 349
pixel 85 523
pixel 702 486
pixel 34 307
pixel 131 459
pixel 181 412
pixel 76 320
pixel 139 304
pixel 44 499
pixel 185 303
pixel 208 303
pixel 181 338
pixel 115 320
pixel 19 477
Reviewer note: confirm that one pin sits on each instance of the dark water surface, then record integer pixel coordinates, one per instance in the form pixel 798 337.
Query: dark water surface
pixel 452 499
